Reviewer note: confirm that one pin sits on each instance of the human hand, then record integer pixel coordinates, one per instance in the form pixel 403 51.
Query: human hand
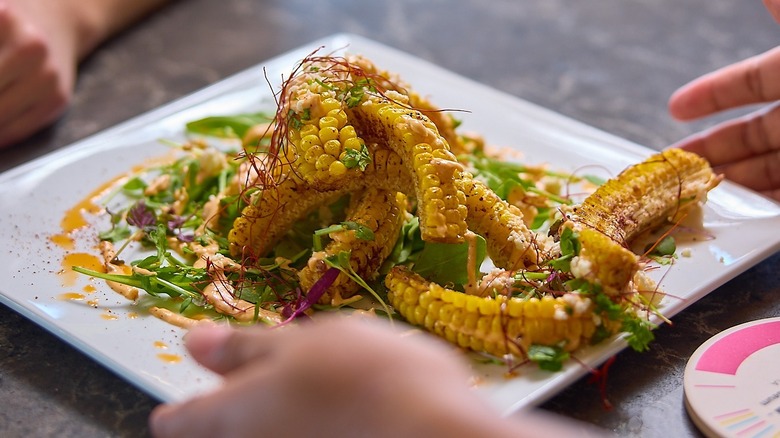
pixel 747 149
pixel 38 57
pixel 336 377
pixel 339 377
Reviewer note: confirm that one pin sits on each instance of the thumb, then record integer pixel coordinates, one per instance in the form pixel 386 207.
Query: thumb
pixel 223 349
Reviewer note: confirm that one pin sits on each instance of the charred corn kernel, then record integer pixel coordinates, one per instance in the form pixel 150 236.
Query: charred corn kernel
pixel 499 326
pixel 381 211
pixel 510 243
pixel 660 188
pixel 271 214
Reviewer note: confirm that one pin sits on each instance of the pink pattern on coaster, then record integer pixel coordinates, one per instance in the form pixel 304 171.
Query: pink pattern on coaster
pixel 726 354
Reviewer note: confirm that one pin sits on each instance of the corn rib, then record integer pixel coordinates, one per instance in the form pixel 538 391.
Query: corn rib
pixel 380 211
pixel 497 326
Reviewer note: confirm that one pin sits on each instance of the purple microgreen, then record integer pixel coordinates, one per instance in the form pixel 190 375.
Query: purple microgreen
pixel 141 216
pixel 315 293
pixel 175 225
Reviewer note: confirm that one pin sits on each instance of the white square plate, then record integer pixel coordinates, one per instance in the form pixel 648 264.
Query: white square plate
pixel 111 330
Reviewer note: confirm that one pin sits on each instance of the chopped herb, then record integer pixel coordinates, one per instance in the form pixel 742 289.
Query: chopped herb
pixel 357 158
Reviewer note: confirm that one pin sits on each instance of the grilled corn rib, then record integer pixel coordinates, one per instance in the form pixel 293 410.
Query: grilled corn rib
pixel 642 196
pixel 372 109
pixel 271 214
pixel 660 188
pixel 275 209
pixel 510 243
pixel 498 326
pixel 382 212
pixel 443 120
pixel 440 204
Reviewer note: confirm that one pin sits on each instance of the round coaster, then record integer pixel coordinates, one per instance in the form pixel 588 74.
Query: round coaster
pixel 732 382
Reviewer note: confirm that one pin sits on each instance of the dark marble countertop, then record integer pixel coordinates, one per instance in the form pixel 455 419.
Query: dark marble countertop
pixel 611 64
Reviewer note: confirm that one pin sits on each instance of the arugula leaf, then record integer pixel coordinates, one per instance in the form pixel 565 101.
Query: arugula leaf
pixel 447 263
pixel 547 357
pixel 227 126
pixel 666 247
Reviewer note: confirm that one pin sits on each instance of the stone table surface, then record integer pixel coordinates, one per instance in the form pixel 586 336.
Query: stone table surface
pixel 611 64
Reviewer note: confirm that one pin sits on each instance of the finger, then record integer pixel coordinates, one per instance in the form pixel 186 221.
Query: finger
pixel 774 194
pixel 753 80
pixel 773 6
pixel 233 409
pixel 41 86
pixel 20 53
pixel 760 173
pixel 6 22
pixel 756 134
pixel 30 121
pixel 186 419
pixel 222 349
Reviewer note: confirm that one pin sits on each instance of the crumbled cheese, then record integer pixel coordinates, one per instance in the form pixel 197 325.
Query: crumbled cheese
pixel 581 267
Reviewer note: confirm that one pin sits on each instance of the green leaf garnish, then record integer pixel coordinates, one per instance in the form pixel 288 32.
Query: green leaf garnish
pixel 447 263
pixel 357 158
pixel 547 357
pixel 227 126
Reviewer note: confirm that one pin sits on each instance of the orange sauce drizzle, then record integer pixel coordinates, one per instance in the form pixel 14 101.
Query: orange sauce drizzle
pixel 72 296
pixel 90 289
pixel 84 260
pixel 63 241
pixel 160 344
pixel 109 316
pixel 74 218
pixel 169 358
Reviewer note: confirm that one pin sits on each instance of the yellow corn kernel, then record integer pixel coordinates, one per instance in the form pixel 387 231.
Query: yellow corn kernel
pixel 353 143
pixel 332 148
pixel 328 122
pixel 313 154
pixel 329 104
pixel 340 116
pixel 337 168
pixel 309 130
pixel 308 141
pixel 496 326
pixel 329 133
pixel 324 161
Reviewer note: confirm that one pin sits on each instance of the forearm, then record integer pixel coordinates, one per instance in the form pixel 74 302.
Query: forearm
pixel 97 20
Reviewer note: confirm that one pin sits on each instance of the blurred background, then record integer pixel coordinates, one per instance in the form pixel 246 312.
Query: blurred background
pixel 609 63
